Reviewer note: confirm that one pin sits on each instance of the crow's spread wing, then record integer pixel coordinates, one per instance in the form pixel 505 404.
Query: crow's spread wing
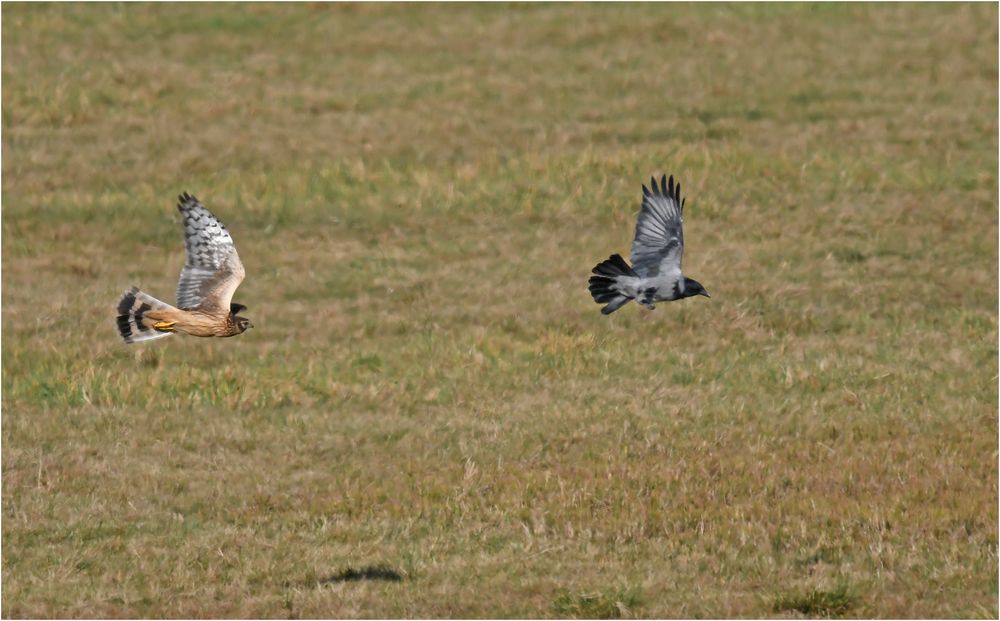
pixel 213 269
pixel 659 235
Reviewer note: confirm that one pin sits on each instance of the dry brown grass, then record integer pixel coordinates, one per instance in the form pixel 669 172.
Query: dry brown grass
pixel 418 193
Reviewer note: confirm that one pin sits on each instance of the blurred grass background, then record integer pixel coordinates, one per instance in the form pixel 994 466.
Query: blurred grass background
pixel 418 193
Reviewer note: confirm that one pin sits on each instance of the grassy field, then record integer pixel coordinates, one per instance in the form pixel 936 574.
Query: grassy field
pixel 431 417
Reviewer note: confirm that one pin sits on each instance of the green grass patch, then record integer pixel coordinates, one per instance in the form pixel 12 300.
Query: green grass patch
pixel 610 603
pixel 837 601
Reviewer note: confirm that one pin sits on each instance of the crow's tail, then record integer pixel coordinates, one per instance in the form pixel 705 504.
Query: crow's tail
pixel 605 285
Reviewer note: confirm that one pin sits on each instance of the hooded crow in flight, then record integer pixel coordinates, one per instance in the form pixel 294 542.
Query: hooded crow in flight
pixel 655 275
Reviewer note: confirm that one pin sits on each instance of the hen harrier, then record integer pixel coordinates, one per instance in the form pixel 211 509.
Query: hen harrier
pixel 656 256
pixel 211 274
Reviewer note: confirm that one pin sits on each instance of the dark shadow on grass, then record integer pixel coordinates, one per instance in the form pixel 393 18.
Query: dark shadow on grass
pixel 372 572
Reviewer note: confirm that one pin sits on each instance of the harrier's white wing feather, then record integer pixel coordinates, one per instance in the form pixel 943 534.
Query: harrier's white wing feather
pixel 659 233
pixel 213 269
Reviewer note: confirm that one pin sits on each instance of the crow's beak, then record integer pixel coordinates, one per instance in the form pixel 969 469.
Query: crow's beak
pixel 705 293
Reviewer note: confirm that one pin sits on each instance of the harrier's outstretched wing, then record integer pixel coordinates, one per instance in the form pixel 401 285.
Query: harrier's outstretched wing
pixel 659 235
pixel 213 270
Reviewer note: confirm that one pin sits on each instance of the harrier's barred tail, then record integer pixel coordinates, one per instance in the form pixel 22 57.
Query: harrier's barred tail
pixel 133 326
pixel 604 285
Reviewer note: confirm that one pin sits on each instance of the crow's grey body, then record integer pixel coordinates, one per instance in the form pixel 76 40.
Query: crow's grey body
pixel 655 274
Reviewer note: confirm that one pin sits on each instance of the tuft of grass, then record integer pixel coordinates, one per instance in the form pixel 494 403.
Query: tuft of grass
pixel 610 603
pixel 833 602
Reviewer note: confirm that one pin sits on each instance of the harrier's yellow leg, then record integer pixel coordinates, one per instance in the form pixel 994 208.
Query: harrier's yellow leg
pixel 164 326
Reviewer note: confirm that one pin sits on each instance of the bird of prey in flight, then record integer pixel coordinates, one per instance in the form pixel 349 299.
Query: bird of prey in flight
pixel 655 274
pixel 210 276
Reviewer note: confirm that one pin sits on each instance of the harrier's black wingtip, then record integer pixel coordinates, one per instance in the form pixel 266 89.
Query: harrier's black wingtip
pixel 184 198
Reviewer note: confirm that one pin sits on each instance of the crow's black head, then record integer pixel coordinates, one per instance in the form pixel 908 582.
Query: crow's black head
pixel 693 287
